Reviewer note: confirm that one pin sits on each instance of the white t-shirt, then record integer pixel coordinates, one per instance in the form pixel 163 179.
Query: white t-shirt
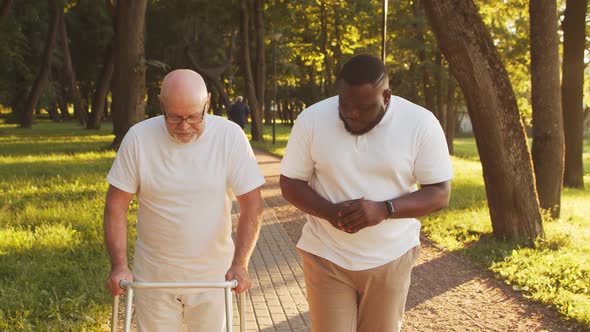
pixel 183 191
pixel 407 147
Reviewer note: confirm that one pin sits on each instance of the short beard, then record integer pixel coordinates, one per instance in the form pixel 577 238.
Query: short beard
pixel 367 128
pixel 194 138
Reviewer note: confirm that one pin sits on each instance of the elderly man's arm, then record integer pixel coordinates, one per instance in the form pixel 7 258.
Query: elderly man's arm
pixel 246 236
pixel 115 236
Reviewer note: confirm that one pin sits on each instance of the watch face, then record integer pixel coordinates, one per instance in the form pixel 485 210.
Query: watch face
pixel 390 208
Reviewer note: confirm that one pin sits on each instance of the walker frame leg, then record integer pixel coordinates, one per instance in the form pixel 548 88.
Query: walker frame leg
pixel 227 287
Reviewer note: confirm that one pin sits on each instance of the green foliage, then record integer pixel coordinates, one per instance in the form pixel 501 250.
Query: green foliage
pixel 53 261
pixel 90 30
pixel 24 32
pixel 508 23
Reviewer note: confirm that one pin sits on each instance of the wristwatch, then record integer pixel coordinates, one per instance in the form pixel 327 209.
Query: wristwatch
pixel 390 208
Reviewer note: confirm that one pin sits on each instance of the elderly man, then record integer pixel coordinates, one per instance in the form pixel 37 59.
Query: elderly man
pixel 181 166
pixel 353 164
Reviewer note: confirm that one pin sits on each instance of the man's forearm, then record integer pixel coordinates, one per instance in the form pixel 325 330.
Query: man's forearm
pixel 246 237
pixel 115 235
pixel 248 226
pixel 426 200
pixel 303 197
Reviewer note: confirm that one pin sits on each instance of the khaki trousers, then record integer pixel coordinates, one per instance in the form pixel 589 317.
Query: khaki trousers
pixel 370 300
pixel 160 311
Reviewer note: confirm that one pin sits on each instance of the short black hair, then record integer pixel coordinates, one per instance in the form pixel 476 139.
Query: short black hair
pixel 362 69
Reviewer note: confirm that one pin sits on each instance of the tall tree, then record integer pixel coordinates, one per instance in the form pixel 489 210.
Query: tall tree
pixel 451 114
pixel 255 104
pixel 128 85
pixel 101 89
pixel 501 140
pixel 547 150
pixel 26 120
pixel 427 88
pixel 4 9
pixel 260 59
pixel 572 86
pixel 80 108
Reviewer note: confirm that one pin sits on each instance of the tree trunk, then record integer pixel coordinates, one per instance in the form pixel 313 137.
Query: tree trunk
pixel 337 44
pixel 61 103
pixel 128 86
pixel 260 60
pixel 248 77
pixel 212 75
pixel 440 111
pixel 325 45
pixel 5 9
pixel 500 136
pixel 26 120
pixel 547 150
pixel 574 37
pixel 79 103
pixel 451 114
pixel 102 89
pixel 52 111
pixel 103 82
pixel 428 92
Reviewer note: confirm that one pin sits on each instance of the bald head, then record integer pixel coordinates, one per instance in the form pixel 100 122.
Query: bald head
pixel 183 88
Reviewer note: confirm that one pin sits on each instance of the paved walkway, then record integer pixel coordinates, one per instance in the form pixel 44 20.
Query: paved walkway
pixel 276 301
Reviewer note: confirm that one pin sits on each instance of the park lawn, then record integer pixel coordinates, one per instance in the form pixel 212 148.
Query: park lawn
pixel 54 264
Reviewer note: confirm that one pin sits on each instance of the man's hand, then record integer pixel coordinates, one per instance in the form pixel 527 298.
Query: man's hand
pixel 240 273
pixel 116 276
pixel 357 214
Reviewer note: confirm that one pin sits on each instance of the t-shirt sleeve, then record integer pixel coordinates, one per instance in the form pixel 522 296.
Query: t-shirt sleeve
pixel 244 175
pixel 433 163
pixel 297 162
pixel 124 172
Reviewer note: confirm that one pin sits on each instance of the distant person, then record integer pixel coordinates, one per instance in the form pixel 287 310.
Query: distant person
pixel 181 166
pixel 238 112
pixel 363 165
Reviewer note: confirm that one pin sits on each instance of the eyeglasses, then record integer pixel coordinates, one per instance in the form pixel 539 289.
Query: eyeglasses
pixel 191 119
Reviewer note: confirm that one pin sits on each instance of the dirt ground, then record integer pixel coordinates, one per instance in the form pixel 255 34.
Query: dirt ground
pixel 448 293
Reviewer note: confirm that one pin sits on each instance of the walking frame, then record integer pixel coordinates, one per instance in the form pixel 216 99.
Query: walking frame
pixel 226 285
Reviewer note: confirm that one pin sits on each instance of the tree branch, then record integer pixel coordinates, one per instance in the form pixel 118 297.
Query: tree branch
pixel 212 74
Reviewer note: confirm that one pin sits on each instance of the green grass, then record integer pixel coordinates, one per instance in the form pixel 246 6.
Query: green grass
pixel 53 263
pixel 52 188
pixel 281 137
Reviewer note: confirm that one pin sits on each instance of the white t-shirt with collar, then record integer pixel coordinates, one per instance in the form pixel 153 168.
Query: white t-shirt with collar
pixel 407 147
pixel 183 191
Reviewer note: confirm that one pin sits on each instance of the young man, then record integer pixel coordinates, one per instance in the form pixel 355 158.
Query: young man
pixel 363 165
pixel 181 166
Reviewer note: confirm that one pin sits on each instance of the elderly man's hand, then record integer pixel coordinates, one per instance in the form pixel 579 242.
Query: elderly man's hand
pixel 240 273
pixel 116 276
pixel 360 213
